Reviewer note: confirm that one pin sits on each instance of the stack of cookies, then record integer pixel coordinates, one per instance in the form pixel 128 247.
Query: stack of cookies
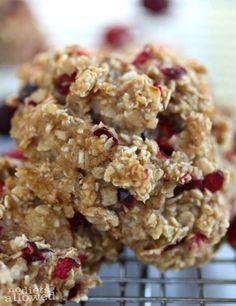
pixel 117 151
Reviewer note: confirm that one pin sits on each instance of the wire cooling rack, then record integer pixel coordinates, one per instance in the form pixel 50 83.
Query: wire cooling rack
pixel 129 283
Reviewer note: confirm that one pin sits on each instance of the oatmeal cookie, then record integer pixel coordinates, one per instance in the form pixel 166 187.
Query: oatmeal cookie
pixel 44 247
pixel 129 145
pixel 35 273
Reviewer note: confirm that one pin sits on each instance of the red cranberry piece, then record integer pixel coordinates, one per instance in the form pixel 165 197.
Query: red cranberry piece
pixel 82 258
pixel 64 90
pixel 74 292
pixel 2 185
pixel 6 114
pixel 77 221
pixel 194 184
pixel 125 198
pixel 104 131
pixel 63 83
pixel 156 6
pixel 167 127
pixel 32 103
pixel 66 78
pixel 16 154
pixel 174 73
pixel 232 232
pixel 31 253
pixel 165 146
pixel 27 91
pixel 63 267
pixel 214 181
pixel 117 36
pixel 143 56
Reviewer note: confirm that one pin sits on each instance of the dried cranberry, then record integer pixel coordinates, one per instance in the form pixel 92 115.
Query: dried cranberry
pixel 174 72
pixel 16 154
pixel 6 114
pixel 32 103
pixel 66 78
pixel 31 253
pixel 194 184
pixel 156 6
pixel 74 292
pixel 63 267
pixel 77 221
pixel 165 146
pixel 117 36
pixel 232 232
pixel 166 128
pixel 63 82
pixel 27 91
pixel 2 185
pixel 82 258
pixel 143 56
pixel 104 131
pixel 214 181
pixel 63 90
pixel 125 198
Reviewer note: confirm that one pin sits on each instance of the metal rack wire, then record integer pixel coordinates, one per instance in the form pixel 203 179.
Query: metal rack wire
pixel 129 283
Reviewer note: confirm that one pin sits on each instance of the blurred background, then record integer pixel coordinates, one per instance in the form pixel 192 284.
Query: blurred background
pixel 203 29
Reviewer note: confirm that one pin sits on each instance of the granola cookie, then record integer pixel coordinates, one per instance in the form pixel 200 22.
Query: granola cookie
pixel 42 247
pixel 128 144
pixel 33 273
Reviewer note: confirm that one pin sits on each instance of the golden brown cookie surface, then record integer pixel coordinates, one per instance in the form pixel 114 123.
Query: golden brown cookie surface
pixel 129 145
